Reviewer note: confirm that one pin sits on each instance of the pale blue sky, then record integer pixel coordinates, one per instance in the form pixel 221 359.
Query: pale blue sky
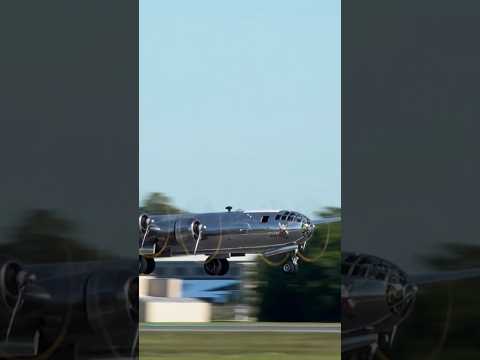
pixel 240 103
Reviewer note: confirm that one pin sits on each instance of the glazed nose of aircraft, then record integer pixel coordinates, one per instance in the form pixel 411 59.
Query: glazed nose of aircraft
pixel 308 226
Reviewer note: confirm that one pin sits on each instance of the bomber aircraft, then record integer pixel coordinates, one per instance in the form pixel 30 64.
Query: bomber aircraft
pixel 225 234
pixel 377 296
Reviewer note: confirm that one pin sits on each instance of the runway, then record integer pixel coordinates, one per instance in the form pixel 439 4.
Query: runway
pixel 300 328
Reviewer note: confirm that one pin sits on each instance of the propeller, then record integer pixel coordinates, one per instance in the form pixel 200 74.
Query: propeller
pixel 198 229
pixel 309 229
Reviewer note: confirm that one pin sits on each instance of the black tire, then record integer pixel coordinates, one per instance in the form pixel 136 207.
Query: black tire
pixel 150 266
pixel 146 266
pixel 224 267
pixel 289 267
pixel 216 267
pixel 209 267
pixel 142 265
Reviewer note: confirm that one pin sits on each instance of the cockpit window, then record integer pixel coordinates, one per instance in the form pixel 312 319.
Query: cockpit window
pixel 378 272
pixel 284 217
pixel 360 270
pixel 290 218
pixel 299 219
pixel 264 219
pixel 277 217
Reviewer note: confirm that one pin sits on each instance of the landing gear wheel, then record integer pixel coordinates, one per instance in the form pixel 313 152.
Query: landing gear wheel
pixel 290 267
pixel 224 267
pixel 210 266
pixel 146 265
pixel 142 264
pixel 150 265
pixel 216 267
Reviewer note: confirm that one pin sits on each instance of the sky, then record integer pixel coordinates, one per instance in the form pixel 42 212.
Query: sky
pixel 240 104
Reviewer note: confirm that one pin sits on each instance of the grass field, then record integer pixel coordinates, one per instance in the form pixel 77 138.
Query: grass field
pixel 231 346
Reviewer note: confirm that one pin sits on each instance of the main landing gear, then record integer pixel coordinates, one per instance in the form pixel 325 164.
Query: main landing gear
pixel 146 265
pixel 291 266
pixel 216 267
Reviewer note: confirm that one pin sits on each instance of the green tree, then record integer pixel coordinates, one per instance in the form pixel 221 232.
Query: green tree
pixel 159 203
pixel 445 317
pixel 44 236
pixel 313 293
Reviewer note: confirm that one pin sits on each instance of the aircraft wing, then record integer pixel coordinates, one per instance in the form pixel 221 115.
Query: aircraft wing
pixel 327 220
pixel 443 276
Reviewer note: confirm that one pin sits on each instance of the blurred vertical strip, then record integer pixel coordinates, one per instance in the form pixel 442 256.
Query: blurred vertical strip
pixel 69 178
pixel 410 171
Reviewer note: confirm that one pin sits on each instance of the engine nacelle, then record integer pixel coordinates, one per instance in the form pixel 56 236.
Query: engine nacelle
pixel 112 303
pixel 161 232
pixel 9 271
pixel 156 233
pixel 94 304
pixel 12 277
pixel 143 222
pixel 15 281
pixel 188 233
pixel 157 226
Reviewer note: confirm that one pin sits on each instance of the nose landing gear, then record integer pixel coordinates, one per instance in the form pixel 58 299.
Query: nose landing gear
pixel 291 266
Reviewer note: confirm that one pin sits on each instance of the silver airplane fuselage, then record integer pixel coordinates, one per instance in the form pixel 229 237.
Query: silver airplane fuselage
pixel 224 233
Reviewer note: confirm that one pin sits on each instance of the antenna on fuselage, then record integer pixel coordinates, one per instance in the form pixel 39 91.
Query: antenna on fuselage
pixel 229 208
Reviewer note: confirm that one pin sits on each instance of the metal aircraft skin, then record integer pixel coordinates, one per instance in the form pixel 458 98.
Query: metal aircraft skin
pixel 377 296
pixel 223 234
pixel 68 308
